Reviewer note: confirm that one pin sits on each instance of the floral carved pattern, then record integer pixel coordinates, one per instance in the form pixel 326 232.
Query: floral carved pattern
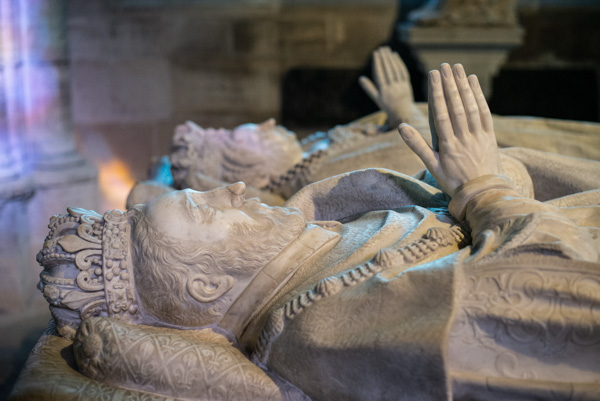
pixel 50 375
pixel 188 364
pixel 528 317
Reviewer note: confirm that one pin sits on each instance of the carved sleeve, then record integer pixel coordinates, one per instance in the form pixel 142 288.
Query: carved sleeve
pixel 496 212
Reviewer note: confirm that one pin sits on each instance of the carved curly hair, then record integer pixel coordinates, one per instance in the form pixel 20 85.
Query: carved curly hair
pixel 163 264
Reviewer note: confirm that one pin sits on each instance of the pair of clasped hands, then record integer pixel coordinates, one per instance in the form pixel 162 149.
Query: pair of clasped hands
pixel 464 143
pixel 462 131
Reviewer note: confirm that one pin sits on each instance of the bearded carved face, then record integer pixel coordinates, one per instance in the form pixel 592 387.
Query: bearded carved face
pixel 253 153
pixel 196 252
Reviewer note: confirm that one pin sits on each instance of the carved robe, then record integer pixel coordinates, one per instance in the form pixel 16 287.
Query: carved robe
pixel 376 315
pixel 515 316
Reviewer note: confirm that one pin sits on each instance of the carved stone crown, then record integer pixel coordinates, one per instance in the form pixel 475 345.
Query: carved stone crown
pixel 88 269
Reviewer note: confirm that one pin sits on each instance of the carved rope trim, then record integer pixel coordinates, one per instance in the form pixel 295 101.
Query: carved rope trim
pixel 296 171
pixel 413 252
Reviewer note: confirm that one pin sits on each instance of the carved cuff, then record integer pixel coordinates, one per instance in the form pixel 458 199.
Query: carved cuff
pixel 467 191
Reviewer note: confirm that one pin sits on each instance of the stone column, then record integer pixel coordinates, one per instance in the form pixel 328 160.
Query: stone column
pixel 61 176
pixel 15 186
pixel 478 34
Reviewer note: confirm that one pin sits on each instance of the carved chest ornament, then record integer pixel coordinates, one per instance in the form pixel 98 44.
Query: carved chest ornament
pixel 88 270
pixel 410 254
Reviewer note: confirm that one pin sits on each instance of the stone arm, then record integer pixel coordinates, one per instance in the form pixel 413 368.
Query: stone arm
pixel 392 90
pixel 467 167
pixel 500 217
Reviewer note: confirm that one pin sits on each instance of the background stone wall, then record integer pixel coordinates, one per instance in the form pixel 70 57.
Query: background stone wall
pixel 133 69
pixel 556 71
pixel 139 68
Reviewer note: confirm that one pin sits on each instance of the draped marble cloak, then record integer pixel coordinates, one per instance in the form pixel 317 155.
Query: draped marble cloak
pixel 515 316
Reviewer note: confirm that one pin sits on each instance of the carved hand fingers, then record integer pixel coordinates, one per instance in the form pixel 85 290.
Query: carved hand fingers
pixel 380 73
pixel 464 144
pixel 400 66
pixel 484 110
pixel 389 68
pixel 439 119
pixel 370 89
pixel 414 140
pixel 453 99
pixel 391 89
pixel 458 104
pixel 470 107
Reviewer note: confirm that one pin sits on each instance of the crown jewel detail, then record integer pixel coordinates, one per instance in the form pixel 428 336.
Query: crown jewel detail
pixel 88 267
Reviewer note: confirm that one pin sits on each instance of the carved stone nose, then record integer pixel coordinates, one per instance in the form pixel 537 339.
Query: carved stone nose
pixel 239 188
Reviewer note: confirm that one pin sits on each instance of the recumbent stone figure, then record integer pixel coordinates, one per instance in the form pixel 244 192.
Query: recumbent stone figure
pixel 368 285
pixel 275 165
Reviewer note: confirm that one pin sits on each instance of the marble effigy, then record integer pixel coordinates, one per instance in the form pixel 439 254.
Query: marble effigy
pixel 275 165
pixel 368 285
pixel 41 171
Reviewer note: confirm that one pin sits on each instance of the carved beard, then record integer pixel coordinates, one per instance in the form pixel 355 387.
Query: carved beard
pixel 273 229
pixel 282 215
pixel 163 264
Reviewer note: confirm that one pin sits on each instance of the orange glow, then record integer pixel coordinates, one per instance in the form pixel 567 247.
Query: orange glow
pixel 115 182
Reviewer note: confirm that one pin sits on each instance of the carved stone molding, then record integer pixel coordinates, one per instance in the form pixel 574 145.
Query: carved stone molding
pixel 482 50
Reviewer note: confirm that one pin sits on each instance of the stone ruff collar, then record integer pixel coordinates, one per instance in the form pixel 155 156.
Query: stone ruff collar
pixel 313 241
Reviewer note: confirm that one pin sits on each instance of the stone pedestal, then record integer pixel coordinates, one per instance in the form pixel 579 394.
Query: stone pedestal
pixel 481 50
pixel 37 147
pixel 61 176
pixel 41 172
pixel 16 187
pixel 16 269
